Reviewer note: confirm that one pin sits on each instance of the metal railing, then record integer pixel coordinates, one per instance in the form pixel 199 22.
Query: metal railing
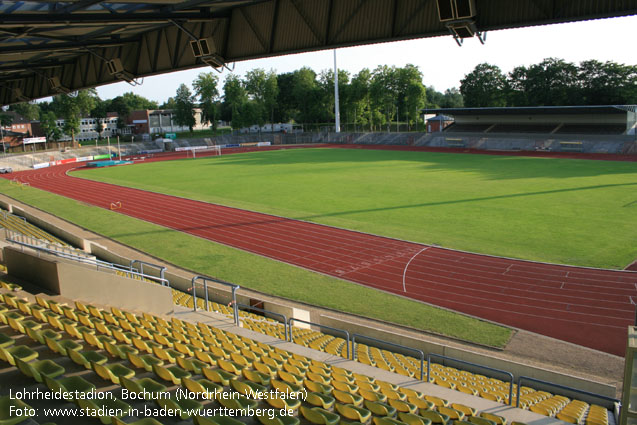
pixel 205 280
pixel 347 339
pixel 272 313
pixel 18 237
pixel 504 372
pixel 561 387
pixel 421 355
pixel 6 214
pixel 162 269
pixel 98 264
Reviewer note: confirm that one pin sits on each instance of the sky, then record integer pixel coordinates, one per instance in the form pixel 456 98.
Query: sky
pixel 442 62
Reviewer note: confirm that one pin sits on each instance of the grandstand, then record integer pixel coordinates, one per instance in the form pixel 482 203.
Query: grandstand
pixel 80 345
pixel 592 129
pixel 81 348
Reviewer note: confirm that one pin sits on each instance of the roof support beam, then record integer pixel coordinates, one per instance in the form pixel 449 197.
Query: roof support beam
pixel 66 19
pixel 58 47
pixel 307 22
pixel 347 21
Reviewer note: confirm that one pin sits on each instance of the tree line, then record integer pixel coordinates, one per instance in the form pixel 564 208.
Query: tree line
pixel 368 100
pixel 552 82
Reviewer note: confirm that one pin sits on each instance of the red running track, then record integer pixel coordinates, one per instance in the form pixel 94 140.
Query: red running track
pixel 588 307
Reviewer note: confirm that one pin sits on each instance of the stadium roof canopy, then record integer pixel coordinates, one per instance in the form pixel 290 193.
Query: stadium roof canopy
pixel 49 47
pixel 535 110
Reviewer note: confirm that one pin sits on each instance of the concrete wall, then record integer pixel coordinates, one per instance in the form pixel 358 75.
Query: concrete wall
pixel 40 271
pixel 54 230
pixel 84 283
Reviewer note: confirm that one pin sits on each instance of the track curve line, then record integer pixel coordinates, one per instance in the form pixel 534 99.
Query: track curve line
pixel 589 307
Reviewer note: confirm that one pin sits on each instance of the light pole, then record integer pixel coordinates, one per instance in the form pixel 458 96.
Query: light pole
pixel 337 112
pixel 4 148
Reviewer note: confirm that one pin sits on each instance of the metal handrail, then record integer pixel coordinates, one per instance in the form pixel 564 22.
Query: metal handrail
pixel 92 262
pixel 509 374
pixel 16 236
pixel 285 319
pixel 162 269
pixel 292 319
pixel 205 280
pixel 404 347
pixel 562 387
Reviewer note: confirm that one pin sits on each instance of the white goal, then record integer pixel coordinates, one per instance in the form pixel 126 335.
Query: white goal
pixel 204 151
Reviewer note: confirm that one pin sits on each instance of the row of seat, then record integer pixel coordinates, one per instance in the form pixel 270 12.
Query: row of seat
pixel 448 377
pixel 17 224
pixel 463 381
pixel 121 347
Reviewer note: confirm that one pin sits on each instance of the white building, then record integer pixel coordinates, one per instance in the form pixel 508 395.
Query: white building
pixel 88 131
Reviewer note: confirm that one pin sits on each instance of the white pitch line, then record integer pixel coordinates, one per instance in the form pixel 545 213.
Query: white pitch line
pixel 407 265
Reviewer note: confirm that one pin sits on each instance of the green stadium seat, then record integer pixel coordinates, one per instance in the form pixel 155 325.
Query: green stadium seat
pixel 22 352
pixel 85 358
pixel 71 384
pixel 412 419
pixel 38 368
pixel 353 413
pixel 112 372
pixel 6 403
pixel 172 374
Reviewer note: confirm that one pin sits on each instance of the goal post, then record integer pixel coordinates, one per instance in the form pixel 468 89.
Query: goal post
pixel 214 150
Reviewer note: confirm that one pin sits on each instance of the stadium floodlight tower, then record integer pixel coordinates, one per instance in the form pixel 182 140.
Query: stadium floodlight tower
pixel 337 108
pixel 459 18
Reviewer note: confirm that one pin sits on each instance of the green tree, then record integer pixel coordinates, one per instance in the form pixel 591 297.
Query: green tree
pixel 28 110
pixel 485 86
pixel 185 101
pixel 72 108
pixel 285 107
pixel 49 126
pixel 518 87
pixel 452 98
pixel 5 121
pixel 414 102
pixel 307 96
pixel 360 98
pixel 553 82
pixel 255 112
pixel 608 83
pixel 235 96
pixel 384 95
pixel 271 93
pixel 206 89
pixel 435 99
pixel 410 93
pixel 263 89
pixel 169 104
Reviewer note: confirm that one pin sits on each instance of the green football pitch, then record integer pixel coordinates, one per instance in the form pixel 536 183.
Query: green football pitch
pixel 577 212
